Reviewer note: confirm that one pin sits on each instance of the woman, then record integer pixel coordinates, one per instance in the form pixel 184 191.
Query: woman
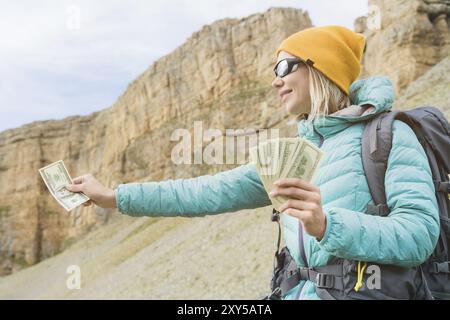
pixel 315 75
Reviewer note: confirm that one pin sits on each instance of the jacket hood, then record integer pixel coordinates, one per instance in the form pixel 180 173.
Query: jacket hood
pixel 369 97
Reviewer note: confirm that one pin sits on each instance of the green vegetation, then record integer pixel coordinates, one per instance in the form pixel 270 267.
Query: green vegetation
pixel 47 211
pixel 21 262
pixel 247 93
pixel 140 228
pixel 5 211
pixel 68 242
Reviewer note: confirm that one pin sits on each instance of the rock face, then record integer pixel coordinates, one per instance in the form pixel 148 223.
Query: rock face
pixel 228 256
pixel 405 38
pixel 221 76
pixel 432 88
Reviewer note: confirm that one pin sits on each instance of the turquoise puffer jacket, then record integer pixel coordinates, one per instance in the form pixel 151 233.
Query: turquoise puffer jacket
pixel 405 238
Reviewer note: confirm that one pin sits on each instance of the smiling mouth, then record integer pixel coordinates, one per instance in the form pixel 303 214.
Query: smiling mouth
pixel 284 94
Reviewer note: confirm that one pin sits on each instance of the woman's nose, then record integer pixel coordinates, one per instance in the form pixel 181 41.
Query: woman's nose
pixel 277 82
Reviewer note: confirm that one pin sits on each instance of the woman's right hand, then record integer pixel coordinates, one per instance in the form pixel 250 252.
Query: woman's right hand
pixel 98 194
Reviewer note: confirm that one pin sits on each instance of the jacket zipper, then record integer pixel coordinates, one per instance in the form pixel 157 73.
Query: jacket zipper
pixel 322 139
pixel 300 230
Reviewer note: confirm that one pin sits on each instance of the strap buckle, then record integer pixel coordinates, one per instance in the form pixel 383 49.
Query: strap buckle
pixel 441 267
pixel 378 210
pixel 442 186
pixel 275 215
pixel 324 281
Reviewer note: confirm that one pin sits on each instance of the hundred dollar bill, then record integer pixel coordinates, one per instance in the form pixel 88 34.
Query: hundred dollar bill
pixel 56 179
pixel 285 158
pixel 311 161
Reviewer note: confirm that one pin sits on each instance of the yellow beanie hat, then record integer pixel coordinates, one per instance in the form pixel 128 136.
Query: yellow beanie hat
pixel 333 50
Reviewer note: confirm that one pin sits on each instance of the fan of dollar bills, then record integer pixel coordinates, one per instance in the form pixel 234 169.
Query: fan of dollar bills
pixel 285 158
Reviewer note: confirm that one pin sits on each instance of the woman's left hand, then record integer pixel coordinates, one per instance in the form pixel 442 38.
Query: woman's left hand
pixel 304 204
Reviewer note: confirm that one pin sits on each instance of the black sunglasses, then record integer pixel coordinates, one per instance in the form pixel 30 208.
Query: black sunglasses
pixel 286 66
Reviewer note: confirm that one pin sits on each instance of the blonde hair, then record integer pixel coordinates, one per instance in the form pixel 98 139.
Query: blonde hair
pixel 326 97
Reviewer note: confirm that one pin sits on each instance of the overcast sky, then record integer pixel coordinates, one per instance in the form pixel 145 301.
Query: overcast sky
pixel 60 58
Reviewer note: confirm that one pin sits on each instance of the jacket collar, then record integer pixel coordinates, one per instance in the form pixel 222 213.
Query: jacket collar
pixel 369 97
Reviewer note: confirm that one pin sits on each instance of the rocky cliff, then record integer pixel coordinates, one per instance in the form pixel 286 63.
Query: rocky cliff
pixel 221 75
pixel 405 38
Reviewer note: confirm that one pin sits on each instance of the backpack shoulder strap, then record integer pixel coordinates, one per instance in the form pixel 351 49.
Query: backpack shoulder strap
pixel 433 132
pixel 376 145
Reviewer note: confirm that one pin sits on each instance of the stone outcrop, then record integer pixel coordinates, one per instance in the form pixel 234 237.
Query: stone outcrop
pixel 405 38
pixel 432 88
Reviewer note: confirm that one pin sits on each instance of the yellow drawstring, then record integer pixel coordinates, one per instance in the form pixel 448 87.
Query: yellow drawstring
pixel 360 275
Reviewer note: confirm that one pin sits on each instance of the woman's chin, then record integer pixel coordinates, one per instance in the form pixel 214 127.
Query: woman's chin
pixel 295 109
pixel 291 110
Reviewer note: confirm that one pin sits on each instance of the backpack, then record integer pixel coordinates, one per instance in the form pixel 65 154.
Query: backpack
pixel 338 280
pixel 433 132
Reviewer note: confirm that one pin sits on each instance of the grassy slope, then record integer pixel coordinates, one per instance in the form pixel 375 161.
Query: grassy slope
pixel 226 256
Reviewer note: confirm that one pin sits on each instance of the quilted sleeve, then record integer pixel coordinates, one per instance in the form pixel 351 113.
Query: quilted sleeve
pixel 409 234
pixel 232 190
